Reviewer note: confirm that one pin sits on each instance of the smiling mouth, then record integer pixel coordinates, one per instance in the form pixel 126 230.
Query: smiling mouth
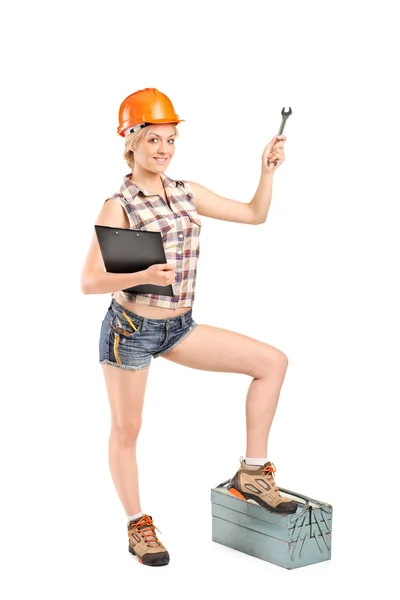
pixel 160 160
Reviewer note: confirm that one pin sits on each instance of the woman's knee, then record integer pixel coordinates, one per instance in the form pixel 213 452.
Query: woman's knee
pixel 125 433
pixel 274 360
pixel 283 360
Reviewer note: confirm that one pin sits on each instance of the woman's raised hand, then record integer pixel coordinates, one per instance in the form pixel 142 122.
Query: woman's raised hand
pixel 273 152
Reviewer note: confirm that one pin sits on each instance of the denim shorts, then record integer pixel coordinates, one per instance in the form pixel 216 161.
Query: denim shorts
pixel 128 340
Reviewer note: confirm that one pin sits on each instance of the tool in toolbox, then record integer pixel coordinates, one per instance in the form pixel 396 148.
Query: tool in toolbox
pixel 285 116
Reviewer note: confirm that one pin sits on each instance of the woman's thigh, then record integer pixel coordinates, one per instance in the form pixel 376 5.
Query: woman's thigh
pixel 214 349
pixel 126 391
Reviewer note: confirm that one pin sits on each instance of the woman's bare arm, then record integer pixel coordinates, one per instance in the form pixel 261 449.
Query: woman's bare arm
pixel 94 278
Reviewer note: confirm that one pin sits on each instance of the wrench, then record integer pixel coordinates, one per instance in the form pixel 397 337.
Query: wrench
pixel 285 116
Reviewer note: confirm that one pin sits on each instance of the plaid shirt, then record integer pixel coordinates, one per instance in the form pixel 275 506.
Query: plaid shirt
pixel 180 229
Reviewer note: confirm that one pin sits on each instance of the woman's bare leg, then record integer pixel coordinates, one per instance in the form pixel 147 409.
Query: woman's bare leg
pixel 126 390
pixel 214 349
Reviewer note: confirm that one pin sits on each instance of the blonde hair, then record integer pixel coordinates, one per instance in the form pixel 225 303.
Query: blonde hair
pixel 133 139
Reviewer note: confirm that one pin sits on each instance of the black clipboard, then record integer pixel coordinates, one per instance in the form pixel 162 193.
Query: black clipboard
pixel 131 250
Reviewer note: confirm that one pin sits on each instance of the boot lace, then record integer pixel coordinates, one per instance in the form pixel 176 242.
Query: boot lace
pixel 268 472
pixel 146 527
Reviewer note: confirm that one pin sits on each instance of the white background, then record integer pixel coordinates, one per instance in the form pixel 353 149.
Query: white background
pixel 318 280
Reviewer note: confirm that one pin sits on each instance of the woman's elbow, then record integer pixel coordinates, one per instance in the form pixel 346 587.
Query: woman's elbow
pixel 86 284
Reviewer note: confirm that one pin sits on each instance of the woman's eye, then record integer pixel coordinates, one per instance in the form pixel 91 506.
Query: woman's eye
pixel 152 140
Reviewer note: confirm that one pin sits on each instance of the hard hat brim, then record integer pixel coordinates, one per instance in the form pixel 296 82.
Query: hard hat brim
pixel 123 129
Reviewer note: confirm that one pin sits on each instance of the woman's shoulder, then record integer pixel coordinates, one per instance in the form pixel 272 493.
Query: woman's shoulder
pixel 181 185
pixel 118 197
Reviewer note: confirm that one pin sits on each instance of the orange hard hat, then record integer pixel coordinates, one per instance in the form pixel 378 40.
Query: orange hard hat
pixel 145 107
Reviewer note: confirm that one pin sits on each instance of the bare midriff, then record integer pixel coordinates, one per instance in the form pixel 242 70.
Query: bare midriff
pixel 153 312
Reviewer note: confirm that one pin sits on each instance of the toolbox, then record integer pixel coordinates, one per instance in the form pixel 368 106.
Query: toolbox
pixel 293 540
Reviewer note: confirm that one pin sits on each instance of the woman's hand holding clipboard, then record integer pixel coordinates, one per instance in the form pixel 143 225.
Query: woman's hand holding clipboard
pixel 163 274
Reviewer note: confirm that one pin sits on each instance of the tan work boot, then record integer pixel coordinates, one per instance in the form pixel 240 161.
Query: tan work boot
pixel 144 543
pixel 256 483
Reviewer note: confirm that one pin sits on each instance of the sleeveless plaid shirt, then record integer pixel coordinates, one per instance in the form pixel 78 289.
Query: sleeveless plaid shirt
pixel 180 228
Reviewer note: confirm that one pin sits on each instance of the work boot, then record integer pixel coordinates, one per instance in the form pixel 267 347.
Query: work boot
pixel 144 543
pixel 256 483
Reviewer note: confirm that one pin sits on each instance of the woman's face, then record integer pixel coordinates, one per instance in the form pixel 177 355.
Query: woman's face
pixel 156 148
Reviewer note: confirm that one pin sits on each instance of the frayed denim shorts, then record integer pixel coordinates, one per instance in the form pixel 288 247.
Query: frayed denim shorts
pixel 128 340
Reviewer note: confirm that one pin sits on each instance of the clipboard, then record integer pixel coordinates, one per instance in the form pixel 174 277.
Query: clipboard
pixel 131 250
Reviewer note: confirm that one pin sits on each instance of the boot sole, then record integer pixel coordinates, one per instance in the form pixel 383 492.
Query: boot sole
pixel 154 560
pixel 254 499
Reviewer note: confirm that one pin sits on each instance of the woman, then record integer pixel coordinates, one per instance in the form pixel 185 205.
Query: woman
pixel 140 326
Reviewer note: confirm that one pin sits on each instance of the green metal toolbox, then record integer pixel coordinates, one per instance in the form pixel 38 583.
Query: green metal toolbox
pixel 295 540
